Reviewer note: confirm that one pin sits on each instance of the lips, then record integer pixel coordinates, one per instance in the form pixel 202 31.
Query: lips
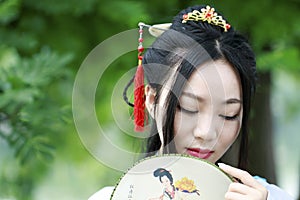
pixel 199 153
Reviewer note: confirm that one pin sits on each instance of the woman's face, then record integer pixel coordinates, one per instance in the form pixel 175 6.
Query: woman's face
pixel 165 181
pixel 209 115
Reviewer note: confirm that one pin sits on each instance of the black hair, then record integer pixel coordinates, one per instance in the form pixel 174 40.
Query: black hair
pixel 160 172
pixel 184 47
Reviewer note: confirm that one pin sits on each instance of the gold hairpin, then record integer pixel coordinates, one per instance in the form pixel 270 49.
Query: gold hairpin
pixel 207 14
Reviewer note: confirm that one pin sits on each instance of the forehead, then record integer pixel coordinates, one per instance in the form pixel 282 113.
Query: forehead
pixel 216 79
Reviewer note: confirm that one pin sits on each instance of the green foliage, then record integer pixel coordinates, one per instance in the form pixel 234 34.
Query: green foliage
pixel 29 115
pixel 9 10
pixel 57 7
pixel 281 58
pixel 27 111
pixel 126 13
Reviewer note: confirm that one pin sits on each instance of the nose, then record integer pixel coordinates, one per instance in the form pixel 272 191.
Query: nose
pixel 205 128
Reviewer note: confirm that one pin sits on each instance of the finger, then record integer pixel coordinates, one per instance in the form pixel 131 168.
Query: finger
pixel 244 176
pixel 240 188
pixel 245 190
pixel 235 196
pixel 249 192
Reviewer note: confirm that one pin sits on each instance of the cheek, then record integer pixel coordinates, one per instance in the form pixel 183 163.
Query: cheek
pixel 177 123
pixel 229 134
pixel 232 131
pixel 182 128
pixel 182 125
pixel 177 130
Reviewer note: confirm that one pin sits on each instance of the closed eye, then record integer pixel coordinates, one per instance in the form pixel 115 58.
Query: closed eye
pixel 230 118
pixel 190 112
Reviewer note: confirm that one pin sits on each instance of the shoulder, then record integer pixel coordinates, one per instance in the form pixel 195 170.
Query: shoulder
pixel 275 192
pixel 103 194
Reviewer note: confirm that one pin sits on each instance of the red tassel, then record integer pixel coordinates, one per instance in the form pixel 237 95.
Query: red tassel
pixel 139 99
pixel 139 89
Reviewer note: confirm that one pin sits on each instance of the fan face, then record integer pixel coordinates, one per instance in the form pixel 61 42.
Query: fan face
pixel 172 177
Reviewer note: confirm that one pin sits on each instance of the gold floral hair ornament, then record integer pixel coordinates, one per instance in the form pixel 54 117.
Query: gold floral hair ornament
pixel 208 15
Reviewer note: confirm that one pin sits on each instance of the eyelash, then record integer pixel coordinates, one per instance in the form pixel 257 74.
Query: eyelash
pixel 187 111
pixel 229 118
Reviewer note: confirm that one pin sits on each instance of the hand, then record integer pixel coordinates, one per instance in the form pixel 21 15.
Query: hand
pixel 248 189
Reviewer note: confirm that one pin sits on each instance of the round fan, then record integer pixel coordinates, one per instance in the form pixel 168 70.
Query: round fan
pixel 172 177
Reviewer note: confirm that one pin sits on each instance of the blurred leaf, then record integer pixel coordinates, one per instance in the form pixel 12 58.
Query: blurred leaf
pixel 9 10
pixel 57 7
pixel 21 40
pixel 25 104
pixel 288 59
pixel 8 56
pixel 127 13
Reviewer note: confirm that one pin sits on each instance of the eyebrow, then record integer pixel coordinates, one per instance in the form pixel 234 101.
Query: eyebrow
pixel 233 101
pixel 191 95
pixel 200 99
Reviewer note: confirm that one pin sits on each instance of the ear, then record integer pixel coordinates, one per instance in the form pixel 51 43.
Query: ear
pixel 150 94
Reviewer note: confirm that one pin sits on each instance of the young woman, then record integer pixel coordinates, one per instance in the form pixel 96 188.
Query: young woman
pixel 201 76
pixel 166 179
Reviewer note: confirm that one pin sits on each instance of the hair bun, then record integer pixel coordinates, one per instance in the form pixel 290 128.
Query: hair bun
pixel 159 171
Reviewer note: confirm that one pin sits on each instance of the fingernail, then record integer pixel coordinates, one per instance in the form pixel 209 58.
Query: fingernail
pixel 221 165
